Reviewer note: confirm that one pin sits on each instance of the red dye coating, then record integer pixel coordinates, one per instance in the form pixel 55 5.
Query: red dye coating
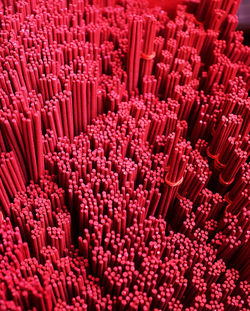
pixel 124 146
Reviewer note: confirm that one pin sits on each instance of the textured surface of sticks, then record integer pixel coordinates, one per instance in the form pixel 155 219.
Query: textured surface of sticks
pixel 124 140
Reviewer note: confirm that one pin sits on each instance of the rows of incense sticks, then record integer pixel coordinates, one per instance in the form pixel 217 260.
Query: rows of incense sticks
pixel 124 145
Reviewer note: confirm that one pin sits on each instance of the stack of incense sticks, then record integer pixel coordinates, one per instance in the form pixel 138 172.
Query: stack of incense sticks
pixel 134 50
pixel 148 53
pixel 124 147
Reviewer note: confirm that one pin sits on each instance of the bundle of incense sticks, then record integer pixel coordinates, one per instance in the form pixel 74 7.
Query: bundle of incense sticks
pixel 124 146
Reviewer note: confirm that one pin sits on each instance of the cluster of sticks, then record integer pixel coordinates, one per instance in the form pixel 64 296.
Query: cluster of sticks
pixel 124 139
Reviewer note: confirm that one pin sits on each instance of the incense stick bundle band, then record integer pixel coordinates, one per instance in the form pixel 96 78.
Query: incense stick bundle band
pixel 174 184
pixel 225 183
pixel 212 156
pixel 217 164
pixel 147 56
